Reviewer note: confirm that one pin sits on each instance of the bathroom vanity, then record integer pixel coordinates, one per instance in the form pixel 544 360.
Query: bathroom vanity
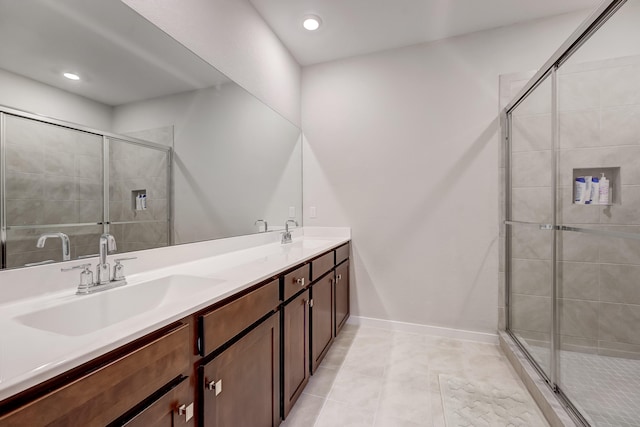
pixel 237 352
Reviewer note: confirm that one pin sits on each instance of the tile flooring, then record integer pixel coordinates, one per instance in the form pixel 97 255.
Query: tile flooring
pixel 380 378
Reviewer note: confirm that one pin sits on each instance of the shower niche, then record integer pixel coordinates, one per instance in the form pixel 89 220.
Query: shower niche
pixel 613 176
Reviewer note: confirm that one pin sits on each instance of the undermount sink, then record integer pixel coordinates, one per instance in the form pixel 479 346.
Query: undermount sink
pixel 90 313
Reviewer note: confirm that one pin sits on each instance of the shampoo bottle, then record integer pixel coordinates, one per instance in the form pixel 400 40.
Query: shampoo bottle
pixel 595 191
pixel 579 190
pixel 587 190
pixel 604 191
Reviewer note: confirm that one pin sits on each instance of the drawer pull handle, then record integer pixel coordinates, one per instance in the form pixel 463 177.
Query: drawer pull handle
pixel 186 411
pixel 300 281
pixel 339 276
pixel 215 385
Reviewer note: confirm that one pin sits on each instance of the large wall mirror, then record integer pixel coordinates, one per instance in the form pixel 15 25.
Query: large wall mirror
pixel 107 124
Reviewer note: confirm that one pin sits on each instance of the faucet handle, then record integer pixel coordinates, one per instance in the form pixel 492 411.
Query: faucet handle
pixel 86 277
pixel 76 267
pixel 118 269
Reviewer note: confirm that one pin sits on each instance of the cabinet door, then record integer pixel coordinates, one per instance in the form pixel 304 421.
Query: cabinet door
pixel 342 295
pixel 295 319
pixel 322 319
pixel 241 387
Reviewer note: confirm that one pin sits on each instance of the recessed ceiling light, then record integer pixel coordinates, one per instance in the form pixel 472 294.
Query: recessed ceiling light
pixel 311 23
pixel 71 76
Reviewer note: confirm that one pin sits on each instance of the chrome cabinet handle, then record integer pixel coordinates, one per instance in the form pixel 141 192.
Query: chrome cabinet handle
pixel 300 281
pixel 186 411
pixel 215 386
pixel 339 277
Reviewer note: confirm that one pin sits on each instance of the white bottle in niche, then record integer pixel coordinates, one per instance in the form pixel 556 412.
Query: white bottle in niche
pixel 579 190
pixel 595 191
pixel 139 202
pixel 143 203
pixel 604 191
pixel 587 190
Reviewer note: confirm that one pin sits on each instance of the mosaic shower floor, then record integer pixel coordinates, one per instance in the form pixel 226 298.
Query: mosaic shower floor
pixel 605 389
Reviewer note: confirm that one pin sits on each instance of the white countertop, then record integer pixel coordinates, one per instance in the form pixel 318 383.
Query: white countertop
pixel 29 355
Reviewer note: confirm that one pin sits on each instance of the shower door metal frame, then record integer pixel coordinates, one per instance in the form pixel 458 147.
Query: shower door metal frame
pixel 589 27
pixel 106 136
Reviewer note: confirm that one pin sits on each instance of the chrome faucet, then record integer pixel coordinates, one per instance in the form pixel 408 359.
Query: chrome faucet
pixel 107 244
pixel 66 247
pixel 103 279
pixel 266 226
pixel 286 236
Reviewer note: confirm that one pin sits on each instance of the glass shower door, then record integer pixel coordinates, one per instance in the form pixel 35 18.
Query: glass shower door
pixel 599 245
pixel 530 224
pixel 139 194
pixel 54 184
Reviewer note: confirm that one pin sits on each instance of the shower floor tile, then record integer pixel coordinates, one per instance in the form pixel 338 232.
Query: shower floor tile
pixel 605 389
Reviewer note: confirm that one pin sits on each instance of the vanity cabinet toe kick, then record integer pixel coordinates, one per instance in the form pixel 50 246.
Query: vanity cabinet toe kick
pixel 243 361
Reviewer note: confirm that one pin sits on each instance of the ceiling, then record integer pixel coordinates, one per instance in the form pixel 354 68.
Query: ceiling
pixel 120 56
pixel 355 27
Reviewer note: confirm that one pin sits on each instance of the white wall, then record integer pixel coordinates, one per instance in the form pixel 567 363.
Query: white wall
pixel 31 96
pixel 402 146
pixel 231 35
pixel 235 160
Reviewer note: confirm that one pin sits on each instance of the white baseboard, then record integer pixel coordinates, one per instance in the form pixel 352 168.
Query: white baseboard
pixel 415 328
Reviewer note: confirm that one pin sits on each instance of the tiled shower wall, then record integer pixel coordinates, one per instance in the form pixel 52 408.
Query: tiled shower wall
pixel 134 167
pixel 599 122
pixel 53 176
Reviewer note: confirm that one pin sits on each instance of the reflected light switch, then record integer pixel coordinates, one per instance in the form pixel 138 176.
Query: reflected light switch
pixel 312 212
pixel 292 211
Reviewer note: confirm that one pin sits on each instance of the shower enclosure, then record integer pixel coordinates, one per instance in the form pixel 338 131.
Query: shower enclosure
pixel 573 268
pixel 56 177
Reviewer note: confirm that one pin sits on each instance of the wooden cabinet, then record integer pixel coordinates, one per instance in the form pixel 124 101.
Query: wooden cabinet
pixel 107 392
pixel 342 295
pixel 225 322
pixel 342 253
pixel 322 318
pixel 172 408
pixel 295 281
pixel 322 265
pixel 241 386
pixel 295 349
pixel 243 361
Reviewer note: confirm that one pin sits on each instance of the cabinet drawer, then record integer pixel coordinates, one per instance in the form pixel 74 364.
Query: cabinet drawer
pixel 164 412
pixel 342 253
pixel 103 395
pixel 219 326
pixel 321 265
pixel 295 281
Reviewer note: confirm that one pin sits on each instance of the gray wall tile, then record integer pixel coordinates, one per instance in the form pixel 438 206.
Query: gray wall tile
pixel 578 280
pixel 531 277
